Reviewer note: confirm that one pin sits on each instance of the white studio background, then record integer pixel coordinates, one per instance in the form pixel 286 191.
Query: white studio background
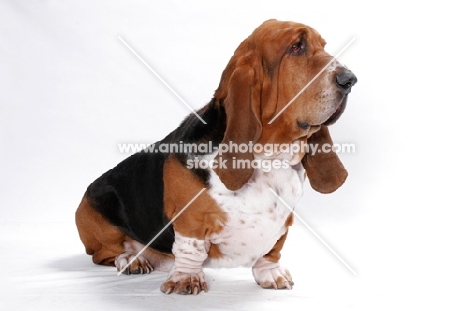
pixel 70 92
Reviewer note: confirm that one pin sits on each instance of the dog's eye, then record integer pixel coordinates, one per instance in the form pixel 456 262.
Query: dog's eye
pixel 297 48
pixel 303 125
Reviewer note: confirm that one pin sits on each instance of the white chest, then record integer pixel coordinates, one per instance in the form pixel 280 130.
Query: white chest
pixel 255 216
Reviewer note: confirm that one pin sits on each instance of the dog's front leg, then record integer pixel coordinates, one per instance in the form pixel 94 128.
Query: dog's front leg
pixel 186 276
pixel 268 272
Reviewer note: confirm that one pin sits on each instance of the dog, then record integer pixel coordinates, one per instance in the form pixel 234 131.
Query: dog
pixel 166 211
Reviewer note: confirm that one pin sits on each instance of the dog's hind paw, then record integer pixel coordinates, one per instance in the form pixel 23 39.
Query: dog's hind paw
pixel 138 265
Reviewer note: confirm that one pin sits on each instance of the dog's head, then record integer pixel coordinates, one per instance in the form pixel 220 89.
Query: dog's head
pixel 281 87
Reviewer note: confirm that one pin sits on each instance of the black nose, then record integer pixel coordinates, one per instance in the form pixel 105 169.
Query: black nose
pixel 346 79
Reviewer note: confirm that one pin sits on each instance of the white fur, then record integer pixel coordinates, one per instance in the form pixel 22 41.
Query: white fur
pixel 255 220
pixel 190 253
pixel 271 274
pixel 255 216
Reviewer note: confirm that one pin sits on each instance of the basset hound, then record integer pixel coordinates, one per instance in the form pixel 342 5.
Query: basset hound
pixel 226 215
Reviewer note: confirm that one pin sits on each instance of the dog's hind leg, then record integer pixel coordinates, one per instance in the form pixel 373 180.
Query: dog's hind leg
pixel 111 247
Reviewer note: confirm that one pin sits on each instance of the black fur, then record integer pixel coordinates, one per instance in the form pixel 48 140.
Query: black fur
pixel 131 195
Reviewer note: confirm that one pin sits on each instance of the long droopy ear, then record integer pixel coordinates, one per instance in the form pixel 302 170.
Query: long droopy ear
pixel 325 171
pixel 242 106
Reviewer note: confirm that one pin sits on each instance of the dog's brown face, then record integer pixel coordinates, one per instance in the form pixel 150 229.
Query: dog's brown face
pixel 281 87
pixel 293 55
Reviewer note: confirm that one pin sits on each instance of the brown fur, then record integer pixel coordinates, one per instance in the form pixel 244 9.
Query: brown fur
pixel 101 239
pixel 203 216
pixel 105 242
pixel 325 170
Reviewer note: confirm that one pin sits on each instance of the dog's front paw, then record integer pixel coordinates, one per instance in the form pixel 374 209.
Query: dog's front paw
pixel 277 278
pixel 185 283
pixel 272 275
